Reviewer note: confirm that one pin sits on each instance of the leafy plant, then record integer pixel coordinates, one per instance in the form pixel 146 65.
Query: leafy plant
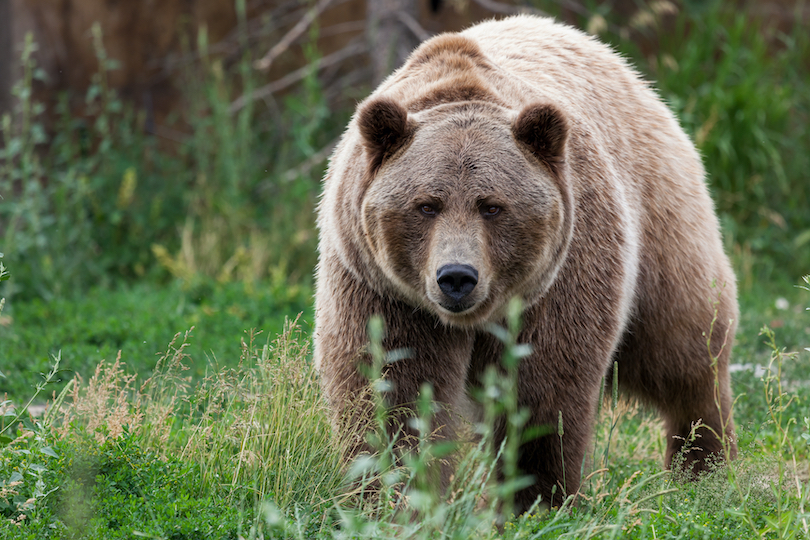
pixel 98 199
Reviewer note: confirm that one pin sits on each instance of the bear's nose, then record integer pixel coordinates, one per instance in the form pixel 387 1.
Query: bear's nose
pixel 457 280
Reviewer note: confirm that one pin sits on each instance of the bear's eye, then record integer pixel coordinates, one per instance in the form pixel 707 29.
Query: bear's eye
pixel 490 210
pixel 428 210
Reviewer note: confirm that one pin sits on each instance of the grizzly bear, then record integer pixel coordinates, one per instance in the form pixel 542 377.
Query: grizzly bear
pixel 523 158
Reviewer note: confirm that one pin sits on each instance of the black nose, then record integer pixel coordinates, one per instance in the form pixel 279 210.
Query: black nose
pixel 457 280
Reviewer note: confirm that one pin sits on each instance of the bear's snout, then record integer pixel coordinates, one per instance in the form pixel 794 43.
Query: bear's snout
pixel 457 281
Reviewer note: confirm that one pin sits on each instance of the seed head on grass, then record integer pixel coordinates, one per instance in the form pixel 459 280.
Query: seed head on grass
pixel 104 406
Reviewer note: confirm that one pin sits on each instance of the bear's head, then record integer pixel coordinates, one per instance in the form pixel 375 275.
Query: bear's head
pixel 465 205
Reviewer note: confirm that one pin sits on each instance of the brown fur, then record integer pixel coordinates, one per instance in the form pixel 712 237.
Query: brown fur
pixel 535 158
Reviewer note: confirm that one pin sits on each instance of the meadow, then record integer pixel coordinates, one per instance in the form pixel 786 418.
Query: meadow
pixel 158 302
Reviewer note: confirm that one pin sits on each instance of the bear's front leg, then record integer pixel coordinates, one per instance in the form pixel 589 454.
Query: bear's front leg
pixel 428 352
pixel 550 384
pixel 561 380
pixel 554 460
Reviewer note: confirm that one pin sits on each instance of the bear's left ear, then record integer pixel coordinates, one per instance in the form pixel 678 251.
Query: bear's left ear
pixel 544 129
pixel 384 126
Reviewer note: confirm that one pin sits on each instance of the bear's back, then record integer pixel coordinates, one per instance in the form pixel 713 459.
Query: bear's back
pixel 558 61
pixel 604 97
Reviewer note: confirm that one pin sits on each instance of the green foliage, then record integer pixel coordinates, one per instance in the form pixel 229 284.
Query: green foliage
pixel 247 450
pixel 116 490
pixel 250 214
pixel 138 321
pixel 172 459
pixel 29 480
pixel 100 200
pixel 4 273
pixel 77 487
pixel 11 417
pixel 86 209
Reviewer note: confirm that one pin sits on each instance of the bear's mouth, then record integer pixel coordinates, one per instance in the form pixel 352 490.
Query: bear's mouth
pixel 457 307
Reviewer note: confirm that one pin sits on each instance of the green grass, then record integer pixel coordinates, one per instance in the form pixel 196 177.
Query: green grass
pixel 139 321
pixel 169 456
pixel 246 449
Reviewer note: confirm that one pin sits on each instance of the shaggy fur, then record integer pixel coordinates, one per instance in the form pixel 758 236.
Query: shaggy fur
pixel 532 158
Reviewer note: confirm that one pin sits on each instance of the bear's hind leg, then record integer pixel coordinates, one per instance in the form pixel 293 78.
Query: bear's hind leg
pixel 679 364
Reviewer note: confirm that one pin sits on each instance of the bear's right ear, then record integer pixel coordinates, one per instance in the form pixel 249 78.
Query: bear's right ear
pixel 384 127
pixel 544 129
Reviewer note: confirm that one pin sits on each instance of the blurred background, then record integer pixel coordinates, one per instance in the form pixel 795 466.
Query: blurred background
pixel 161 160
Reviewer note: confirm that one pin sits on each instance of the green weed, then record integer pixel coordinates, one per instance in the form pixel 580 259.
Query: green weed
pixel 252 445
pixel 78 205
pixel 172 459
pixel 93 199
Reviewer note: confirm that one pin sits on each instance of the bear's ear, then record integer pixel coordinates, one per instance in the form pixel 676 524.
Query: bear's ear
pixel 384 126
pixel 544 129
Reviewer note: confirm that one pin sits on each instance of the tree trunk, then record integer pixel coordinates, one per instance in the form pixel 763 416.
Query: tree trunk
pixel 389 37
pixel 6 56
